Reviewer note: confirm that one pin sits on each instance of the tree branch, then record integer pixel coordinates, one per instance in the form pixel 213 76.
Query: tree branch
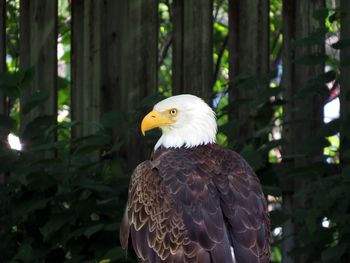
pixel 164 50
pixel 220 54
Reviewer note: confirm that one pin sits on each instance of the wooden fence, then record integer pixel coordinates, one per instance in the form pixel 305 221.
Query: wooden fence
pixel 114 62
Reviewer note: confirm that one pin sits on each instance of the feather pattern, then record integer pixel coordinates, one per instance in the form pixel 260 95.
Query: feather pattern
pixel 193 205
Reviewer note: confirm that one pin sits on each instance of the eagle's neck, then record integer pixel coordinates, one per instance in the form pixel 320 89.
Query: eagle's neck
pixel 188 137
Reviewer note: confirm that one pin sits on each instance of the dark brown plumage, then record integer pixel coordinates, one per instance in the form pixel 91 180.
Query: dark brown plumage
pixel 193 204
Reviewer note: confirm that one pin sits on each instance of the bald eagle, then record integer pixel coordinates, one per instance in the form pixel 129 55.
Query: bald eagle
pixel 194 201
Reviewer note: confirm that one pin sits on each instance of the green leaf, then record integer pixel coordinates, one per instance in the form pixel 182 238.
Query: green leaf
pixel 270 145
pixel 150 100
pixel 346 173
pixel 335 16
pixel 345 62
pixel 330 128
pixel 9 84
pixel 24 252
pixel 92 230
pixel 272 190
pixel 312 144
pixel 312 59
pixel 115 253
pixel 311 220
pixel 6 124
pixel 246 81
pixel 113 119
pixel 53 225
pixel 39 126
pixel 278 217
pixel 316 37
pixel 37 98
pixel 112 227
pixel 27 206
pixel 333 254
pixel 327 77
pixel 97 187
pixel 97 140
pixel 62 83
pixel 47 146
pixel 342 43
pixel 251 156
pixel 320 14
pixel 27 77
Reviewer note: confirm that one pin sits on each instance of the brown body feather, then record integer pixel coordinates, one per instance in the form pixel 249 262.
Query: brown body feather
pixel 193 204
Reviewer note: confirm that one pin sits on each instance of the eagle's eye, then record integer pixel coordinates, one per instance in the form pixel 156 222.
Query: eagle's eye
pixel 173 112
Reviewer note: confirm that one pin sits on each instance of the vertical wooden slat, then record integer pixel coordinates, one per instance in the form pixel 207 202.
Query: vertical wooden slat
pixel 302 113
pixel 193 47
pixel 344 79
pixel 139 60
pixel 140 51
pixel 287 185
pixel 86 66
pixel 111 52
pixel 248 54
pixel 114 64
pixel 307 110
pixel 38 49
pixel 2 50
pixel 3 109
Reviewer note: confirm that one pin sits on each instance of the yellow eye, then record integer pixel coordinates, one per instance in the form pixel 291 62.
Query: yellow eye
pixel 173 112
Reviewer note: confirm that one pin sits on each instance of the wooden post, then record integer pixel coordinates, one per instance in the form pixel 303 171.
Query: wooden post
pixel 114 64
pixel 287 184
pixel 344 77
pixel 111 43
pixel 38 50
pixel 86 66
pixel 2 51
pixel 248 55
pixel 3 108
pixel 139 59
pixel 193 47
pixel 302 114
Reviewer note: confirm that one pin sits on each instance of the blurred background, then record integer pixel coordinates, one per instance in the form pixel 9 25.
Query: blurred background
pixel 76 77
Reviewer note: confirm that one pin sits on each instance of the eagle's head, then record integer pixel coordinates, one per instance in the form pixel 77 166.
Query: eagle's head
pixel 185 120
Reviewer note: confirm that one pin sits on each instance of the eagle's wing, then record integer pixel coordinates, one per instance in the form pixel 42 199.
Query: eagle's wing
pixel 244 207
pixel 173 212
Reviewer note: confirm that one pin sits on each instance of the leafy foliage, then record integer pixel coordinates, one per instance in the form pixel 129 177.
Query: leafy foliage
pixel 58 204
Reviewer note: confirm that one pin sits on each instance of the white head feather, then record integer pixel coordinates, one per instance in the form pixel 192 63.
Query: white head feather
pixel 195 122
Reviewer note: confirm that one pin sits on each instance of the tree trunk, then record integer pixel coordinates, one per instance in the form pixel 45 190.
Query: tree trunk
pixel 344 77
pixel 38 50
pixel 193 47
pixel 248 55
pixel 86 66
pixel 302 111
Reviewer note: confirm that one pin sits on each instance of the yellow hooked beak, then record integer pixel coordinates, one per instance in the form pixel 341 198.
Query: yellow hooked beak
pixel 155 119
